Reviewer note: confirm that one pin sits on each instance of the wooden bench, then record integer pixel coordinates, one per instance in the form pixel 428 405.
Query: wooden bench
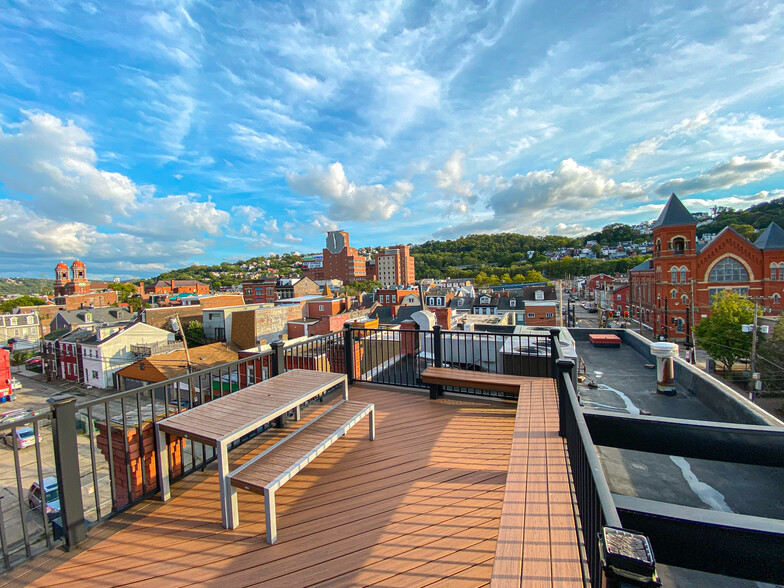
pixel 477 380
pixel 268 471
pixel 537 536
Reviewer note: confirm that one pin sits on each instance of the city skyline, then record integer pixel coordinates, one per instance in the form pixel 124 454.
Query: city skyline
pixel 140 139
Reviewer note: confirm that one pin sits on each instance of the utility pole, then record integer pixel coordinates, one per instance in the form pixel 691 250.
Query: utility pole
pixel 177 326
pixel 693 324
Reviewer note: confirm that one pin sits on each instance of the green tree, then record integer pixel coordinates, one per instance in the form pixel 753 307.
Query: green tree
pixel 20 357
pixel 481 280
pixel 124 291
pixel 534 276
pixel 136 304
pixel 9 305
pixel 746 230
pixel 518 278
pixel 721 333
pixel 770 359
pixel 194 334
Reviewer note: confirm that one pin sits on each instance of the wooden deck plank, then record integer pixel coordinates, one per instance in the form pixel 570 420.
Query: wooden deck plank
pixel 419 505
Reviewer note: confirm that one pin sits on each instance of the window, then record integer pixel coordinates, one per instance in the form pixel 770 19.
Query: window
pixel 776 298
pixel 548 315
pixel 674 275
pixel 531 315
pixel 95 375
pixel 321 307
pixel 684 299
pixel 673 293
pixel 512 302
pixel 678 245
pixel 658 247
pixel 539 295
pixel 13 321
pixel 773 272
pixel 781 271
pixel 29 320
pixel 728 270
pixel 683 274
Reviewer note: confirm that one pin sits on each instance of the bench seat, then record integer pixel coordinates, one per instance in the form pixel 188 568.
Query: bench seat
pixel 469 379
pixel 268 471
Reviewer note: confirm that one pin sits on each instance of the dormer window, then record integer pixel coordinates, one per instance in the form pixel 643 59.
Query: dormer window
pixel 512 302
pixel 539 295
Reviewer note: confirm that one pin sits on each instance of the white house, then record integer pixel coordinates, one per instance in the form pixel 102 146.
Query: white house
pixel 112 348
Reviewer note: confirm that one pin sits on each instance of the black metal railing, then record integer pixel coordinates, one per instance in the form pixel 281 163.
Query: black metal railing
pixel 595 503
pixel 398 357
pixel 109 443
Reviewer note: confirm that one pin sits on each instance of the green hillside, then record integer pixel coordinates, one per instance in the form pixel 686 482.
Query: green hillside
pixel 25 286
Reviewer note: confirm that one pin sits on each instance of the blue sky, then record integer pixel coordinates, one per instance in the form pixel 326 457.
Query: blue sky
pixel 145 136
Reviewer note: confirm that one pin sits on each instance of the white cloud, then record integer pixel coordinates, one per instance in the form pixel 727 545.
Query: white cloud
pixel 568 187
pixel 738 171
pixel 250 214
pixel 289 238
pixel 349 201
pixel 271 226
pixel 54 164
pixel 258 141
pixel 458 193
pixel 178 217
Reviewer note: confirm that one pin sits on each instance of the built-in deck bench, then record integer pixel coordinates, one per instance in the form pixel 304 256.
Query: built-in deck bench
pixel 268 471
pixel 476 380
pixel 537 538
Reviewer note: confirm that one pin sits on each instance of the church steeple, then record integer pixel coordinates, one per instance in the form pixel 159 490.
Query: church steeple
pixel 674 214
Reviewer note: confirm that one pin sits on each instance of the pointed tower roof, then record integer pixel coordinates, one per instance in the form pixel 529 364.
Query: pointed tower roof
pixel 771 238
pixel 327 291
pixel 674 214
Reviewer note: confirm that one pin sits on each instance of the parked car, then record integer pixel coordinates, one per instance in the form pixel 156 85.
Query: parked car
pixel 34 362
pixel 15 415
pixel 22 436
pixel 52 494
pixel 16 384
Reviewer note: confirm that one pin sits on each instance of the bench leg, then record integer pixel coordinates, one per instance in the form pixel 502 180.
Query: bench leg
pixel 232 512
pixel 372 424
pixel 345 389
pixel 298 412
pixel 162 463
pixel 269 508
pixel 223 471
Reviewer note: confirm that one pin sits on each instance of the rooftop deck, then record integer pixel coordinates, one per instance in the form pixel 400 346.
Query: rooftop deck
pixel 418 506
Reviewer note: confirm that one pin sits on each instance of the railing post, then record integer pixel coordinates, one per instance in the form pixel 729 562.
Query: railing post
pixel 278 364
pixel 348 350
pixel 563 366
pixel 278 367
pixel 437 389
pixel 627 559
pixel 555 351
pixel 66 459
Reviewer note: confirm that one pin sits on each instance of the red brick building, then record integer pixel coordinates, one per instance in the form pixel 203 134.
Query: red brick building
pixel 683 274
pixel 166 287
pixel 260 291
pixel 597 282
pixel 73 281
pixel 339 261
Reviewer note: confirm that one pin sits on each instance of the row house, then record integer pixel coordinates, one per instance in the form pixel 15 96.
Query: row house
pixel 20 329
pixel 169 287
pixel 71 319
pixel 111 348
pixel 217 322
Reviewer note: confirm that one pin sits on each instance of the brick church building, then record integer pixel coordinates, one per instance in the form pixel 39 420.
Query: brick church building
pixel 683 274
pixel 73 281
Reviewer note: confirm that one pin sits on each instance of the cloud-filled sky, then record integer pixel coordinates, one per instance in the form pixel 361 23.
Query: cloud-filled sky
pixel 143 136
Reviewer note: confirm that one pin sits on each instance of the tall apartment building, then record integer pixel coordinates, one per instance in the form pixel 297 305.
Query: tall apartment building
pixel 395 266
pixel 339 261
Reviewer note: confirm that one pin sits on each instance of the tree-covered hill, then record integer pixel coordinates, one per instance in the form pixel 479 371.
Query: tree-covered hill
pixel 749 222
pixel 25 286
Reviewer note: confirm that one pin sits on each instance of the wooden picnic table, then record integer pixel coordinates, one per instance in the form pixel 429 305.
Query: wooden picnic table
pixel 226 419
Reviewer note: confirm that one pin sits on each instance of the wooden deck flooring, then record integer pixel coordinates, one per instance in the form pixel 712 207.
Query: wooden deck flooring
pixel 418 506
